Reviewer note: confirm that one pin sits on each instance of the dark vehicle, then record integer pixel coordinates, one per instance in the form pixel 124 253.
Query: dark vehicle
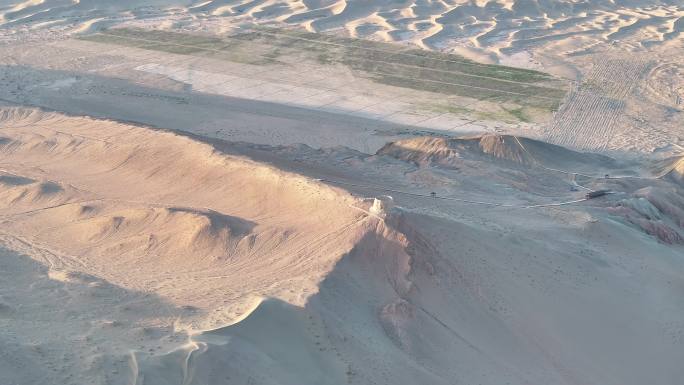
pixel 597 193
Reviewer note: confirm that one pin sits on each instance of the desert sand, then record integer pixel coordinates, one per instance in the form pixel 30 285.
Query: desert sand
pixel 341 192
pixel 135 255
pixel 497 30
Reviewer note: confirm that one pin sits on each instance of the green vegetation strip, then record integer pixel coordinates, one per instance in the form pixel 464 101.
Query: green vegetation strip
pixel 384 63
pixel 411 56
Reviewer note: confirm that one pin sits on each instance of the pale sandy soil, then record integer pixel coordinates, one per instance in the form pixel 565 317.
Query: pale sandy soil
pixel 242 204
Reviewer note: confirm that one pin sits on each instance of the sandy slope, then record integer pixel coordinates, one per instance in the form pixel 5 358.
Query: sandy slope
pixel 141 256
pixel 93 188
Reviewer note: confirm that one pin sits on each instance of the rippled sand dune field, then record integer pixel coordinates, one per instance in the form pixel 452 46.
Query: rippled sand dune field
pixel 489 29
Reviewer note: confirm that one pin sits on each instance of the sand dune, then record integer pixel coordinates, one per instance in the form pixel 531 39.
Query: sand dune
pixel 677 170
pixel 266 276
pixel 670 168
pixel 494 30
pixel 26 191
pixel 156 219
pixel 403 318
pixel 52 317
pixel 243 352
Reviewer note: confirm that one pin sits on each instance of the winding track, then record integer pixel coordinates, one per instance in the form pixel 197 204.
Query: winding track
pixel 453 199
pixel 498 204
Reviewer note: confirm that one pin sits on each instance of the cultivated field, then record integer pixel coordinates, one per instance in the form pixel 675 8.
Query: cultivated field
pixel 592 112
pixel 384 63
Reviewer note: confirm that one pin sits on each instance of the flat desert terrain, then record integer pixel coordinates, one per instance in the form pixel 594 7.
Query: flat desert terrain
pixel 341 192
